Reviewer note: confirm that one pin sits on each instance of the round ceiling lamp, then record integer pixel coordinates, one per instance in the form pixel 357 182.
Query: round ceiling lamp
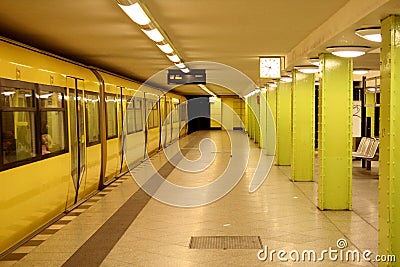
pixel 348 51
pixel 307 69
pixel 286 79
pixel 314 61
pixel 372 34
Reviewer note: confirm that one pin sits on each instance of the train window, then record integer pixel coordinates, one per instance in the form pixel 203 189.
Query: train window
pixel 18 136
pixel 134 116
pixel 138 114
pixel 50 99
pixel 52 132
pixel 182 112
pixel 92 119
pixel 151 109
pixel 17 122
pixel 32 122
pixel 175 113
pixel 111 116
pixel 52 119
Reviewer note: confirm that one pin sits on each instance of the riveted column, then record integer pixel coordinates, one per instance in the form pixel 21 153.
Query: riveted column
pixel 389 148
pixel 257 118
pixel 283 125
pixel 271 116
pixel 335 133
pixel 303 106
pixel 370 111
pixel 263 118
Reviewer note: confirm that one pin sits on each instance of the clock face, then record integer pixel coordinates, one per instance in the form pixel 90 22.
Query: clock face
pixel 270 67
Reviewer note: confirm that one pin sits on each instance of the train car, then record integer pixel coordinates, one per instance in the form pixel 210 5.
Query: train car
pixel 64 127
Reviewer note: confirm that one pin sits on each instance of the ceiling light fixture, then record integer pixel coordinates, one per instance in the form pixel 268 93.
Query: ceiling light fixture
pixel 180 65
pixel 154 35
pixel 309 69
pixel 174 58
pixel 202 86
pixel 286 79
pixel 314 61
pixel 373 89
pixel 371 33
pixel 348 51
pixel 360 71
pixel 136 13
pixel 139 14
pixel 272 84
pixel 185 70
pixel 166 48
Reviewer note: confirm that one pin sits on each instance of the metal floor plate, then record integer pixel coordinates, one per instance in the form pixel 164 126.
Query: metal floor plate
pixel 225 242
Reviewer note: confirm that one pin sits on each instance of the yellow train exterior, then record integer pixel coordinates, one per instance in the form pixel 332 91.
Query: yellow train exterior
pixel 62 127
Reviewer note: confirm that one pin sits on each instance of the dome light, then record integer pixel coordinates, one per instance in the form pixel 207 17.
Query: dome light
pixel 314 61
pixel 307 69
pixel 286 79
pixel 348 51
pixel 372 34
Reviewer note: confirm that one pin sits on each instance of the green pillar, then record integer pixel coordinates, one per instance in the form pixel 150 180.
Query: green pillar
pixel 335 133
pixel 370 110
pixel 389 150
pixel 263 119
pixel 271 125
pixel 303 98
pixel 283 123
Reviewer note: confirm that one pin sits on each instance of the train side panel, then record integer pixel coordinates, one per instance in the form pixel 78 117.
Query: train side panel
pixel 34 191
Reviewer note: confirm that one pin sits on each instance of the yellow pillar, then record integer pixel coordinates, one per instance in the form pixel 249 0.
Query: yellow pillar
pixel 389 150
pixel 303 98
pixel 335 133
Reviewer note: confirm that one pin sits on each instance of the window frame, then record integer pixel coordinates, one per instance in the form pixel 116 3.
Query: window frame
pixel 63 91
pixel 134 109
pixel 37 110
pixel 89 144
pixel 116 115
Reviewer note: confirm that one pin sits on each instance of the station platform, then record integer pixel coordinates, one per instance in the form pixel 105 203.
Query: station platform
pixel 123 226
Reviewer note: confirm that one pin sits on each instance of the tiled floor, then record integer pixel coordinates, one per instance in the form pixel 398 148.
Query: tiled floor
pixel 282 213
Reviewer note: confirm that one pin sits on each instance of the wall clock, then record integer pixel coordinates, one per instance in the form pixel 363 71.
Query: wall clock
pixel 270 67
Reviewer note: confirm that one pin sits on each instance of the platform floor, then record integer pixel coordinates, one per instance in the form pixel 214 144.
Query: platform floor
pixel 123 226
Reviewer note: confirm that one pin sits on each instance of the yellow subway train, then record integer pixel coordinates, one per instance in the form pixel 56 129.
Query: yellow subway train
pixel 63 133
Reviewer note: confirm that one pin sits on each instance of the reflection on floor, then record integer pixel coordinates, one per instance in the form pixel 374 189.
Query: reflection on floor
pixel 281 213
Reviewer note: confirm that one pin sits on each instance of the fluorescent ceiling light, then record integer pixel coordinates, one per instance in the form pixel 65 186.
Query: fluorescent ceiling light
pixel 202 86
pixel 136 13
pixel 372 34
pixel 314 61
pixel 174 58
pixel 185 70
pixel 166 48
pixel 348 51
pixel 308 69
pixel 180 65
pixel 360 71
pixel 154 35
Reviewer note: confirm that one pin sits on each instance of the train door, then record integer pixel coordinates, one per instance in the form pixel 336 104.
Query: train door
pixel 77 136
pixel 122 130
